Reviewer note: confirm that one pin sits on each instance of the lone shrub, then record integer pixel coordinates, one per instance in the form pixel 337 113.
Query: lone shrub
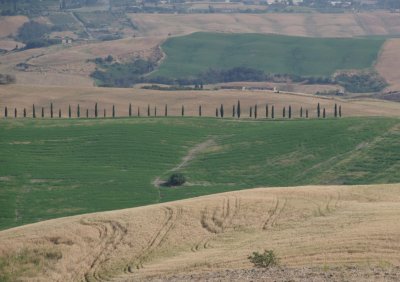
pixel 176 179
pixel 265 260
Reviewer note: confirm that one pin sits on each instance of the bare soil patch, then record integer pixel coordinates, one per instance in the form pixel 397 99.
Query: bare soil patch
pixel 9 25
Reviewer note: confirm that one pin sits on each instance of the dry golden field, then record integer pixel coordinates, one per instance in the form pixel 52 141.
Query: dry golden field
pixel 9 25
pixel 309 24
pixel 315 226
pixel 388 63
pixel 23 96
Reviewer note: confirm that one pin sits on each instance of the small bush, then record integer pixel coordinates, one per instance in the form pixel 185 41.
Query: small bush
pixel 265 260
pixel 176 179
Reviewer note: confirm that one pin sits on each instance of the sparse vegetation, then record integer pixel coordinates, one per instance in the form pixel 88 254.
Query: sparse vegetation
pixel 264 260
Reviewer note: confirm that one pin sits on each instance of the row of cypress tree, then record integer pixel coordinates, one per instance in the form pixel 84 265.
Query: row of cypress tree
pixel 219 111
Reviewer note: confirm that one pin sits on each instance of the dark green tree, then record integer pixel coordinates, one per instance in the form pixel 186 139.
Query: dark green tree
pixel 33 111
pixel 15 113
pixel 138 111
pixel 104 113
pixel 95 110
pixel 340 111
pixel 130 110
pixel 166 110
pixel 5 112
pixel 59 113
pixel 301 112
pixel 200 111
pixel 238 109
pixel 255 111
pixel 221 111
pixel 233 111
pixel 216 112
pixel 155 111
pixel 323 113
pixel 183 111
pixel 51 110
pixel 284 112
pixel 318 111
pixel 148 110
pixel 24 113
pixel 290 112
pixel 78 111
pixel 69 111
pixel 273 112
pixel 306 113
pixel 251 112
pixel 266 110
pixel 42 112
pixel 113 111
pixel 87 113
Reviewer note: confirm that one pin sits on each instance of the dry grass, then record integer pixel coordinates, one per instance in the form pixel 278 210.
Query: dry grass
pixel 388 63
pixel 324 226
pixel 9 25
pixel 23 96
pixel 313 24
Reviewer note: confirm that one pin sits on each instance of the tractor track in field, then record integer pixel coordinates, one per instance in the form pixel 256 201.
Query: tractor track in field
pixel 111 235
pixel 171 215
pixel 274 214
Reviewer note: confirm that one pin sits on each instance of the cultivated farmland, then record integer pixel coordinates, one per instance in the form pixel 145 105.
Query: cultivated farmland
pixel 196 53
pixel 319 232
pixel 66 167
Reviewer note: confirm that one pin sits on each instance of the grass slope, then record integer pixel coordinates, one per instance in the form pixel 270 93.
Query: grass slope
pixel 51 169
pixel 196 53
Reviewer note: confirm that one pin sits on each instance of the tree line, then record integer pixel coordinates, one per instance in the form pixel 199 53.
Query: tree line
pixel 269 111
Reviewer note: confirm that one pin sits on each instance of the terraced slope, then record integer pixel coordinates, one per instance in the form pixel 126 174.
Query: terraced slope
pixel 326 229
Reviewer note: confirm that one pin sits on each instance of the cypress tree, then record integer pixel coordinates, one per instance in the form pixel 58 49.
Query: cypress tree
pixel 155 111
pixel 183 111
pixel 15 113
pixel 78 111
pixel 284 112
pixel 148 110
pixel 95 111
pixel 221 110
pixel 138 111
pixel 233 111
pixel 216 112
pixel 166 110
pixel 306 113
pixel 200 111
pixel 33 111
pixel 301 112
pixel 335 110
pixel 130 109
pixel 266 110
pixel 290 111
pixel 340 111
pixel 69 111
pixel 87 113
pixel 251 111
pixel 255 111
pixel 318 111
pixel 323 113
pixel 42 112
pixel 238 109
pixel 273 112
pixel 59 113
pixel 51 110
pixel 104 113
pixel 24 113
pixel 5 112
pixel 113 111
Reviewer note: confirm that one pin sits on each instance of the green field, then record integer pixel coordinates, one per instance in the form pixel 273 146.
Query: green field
pixel 54 168
pixel 192 54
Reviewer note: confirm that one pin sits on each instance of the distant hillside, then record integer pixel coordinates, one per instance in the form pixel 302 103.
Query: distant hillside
pixel 196 53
